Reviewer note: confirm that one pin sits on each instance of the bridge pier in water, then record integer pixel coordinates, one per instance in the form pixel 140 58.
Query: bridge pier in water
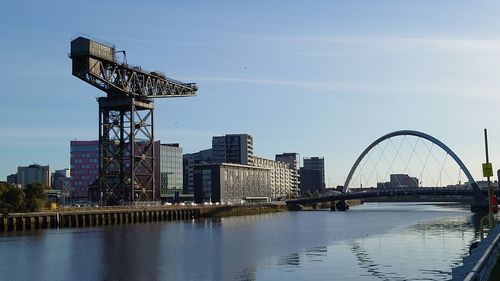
pixel 340 205
pixel 332 206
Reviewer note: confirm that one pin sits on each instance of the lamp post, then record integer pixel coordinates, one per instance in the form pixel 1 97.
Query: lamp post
pixel 488 220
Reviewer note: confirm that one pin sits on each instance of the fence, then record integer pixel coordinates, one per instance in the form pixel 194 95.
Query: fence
pixel 479 264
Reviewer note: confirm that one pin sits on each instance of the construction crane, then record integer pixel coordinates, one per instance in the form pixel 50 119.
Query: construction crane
pixel 126 128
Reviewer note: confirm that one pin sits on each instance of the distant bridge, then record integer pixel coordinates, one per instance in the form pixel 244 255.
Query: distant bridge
pixel 479 203
pixel 388 193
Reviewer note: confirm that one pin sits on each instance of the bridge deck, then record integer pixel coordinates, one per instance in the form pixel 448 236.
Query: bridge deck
pixel 392 193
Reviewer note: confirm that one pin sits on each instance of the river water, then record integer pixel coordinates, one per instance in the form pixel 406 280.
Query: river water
pixel 375 241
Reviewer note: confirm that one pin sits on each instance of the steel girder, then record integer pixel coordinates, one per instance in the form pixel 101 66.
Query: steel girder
pixel 126 140
pixel 123 80
pixel 126 146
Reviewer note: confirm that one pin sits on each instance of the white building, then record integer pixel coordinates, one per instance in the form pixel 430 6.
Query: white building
pixel 293 161
pixel 281 177
pixel 33 174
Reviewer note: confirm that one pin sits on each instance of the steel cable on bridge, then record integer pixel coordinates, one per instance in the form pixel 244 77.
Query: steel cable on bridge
pixel 407 160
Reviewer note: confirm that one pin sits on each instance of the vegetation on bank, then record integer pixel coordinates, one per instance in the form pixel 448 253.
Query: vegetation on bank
pixel 244 211
pixel 14 199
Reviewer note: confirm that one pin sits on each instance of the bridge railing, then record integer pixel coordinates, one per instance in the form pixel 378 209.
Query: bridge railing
pixel 479 264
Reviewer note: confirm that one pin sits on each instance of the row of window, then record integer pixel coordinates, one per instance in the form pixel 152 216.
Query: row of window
pixel 83 166
pixel 83 160
pixel 76 172
pixel 84 148
pixel 85 183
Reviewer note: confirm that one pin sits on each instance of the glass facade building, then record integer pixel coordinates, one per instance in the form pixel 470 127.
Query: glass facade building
pixel 170 171
pixel 316 164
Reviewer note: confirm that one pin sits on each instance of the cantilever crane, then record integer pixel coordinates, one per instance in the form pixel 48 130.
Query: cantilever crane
pixel 126 139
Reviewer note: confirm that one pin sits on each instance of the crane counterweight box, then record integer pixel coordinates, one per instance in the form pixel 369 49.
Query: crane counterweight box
pixel 85 47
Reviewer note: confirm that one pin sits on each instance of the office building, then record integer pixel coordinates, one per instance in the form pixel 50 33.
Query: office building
pixel 310 181
pixel 403 181
pixel 169 176
pixel 280 177
pixel 293 161
pixel 316 164
pixel 188 163
pixel 231 183
pixel 399 181
pixel 234 148
pixel 232 153
pixel 61 179
pixel 33 174
pixel 63 173
pixel 12 179
pixel 84 161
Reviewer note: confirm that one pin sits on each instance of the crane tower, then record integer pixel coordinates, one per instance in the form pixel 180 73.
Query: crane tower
pixel 126 129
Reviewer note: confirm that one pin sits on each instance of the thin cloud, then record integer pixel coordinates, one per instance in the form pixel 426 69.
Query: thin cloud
pixel 452 43
pixel 360 87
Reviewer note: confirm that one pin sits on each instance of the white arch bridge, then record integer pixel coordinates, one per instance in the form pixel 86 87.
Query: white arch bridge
pixel 479 201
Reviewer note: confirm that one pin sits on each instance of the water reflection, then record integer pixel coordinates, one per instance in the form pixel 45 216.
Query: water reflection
pixel 449 233
pixel 248 274
pixel 129 248
pixel 317 254
pixel 370 242
pixel 292 259
pixel 424 249
pixel 371 267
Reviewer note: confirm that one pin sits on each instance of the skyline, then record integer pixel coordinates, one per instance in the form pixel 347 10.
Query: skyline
pixel 268 70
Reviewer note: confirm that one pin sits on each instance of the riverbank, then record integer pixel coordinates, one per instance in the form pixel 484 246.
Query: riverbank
pixel 327 205
pixel 230 211
pixel 126 215
pixel 94 217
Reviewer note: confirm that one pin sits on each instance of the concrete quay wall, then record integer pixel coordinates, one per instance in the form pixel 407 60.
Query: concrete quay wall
pixel 93 217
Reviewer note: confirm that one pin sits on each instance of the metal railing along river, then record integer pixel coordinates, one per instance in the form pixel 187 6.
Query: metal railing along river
pixel 479 264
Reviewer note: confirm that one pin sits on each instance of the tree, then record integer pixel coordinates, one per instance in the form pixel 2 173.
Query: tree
pixel 309 194
pixel 35 196
pixel 11 198
pixel 316 194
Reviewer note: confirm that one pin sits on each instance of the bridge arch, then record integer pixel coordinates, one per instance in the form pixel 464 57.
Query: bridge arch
pixel 430 138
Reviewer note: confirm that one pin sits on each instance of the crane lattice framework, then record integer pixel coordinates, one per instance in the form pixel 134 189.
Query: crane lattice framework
pixel 126 128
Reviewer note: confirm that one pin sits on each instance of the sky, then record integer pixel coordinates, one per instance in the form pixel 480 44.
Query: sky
pixel 321 78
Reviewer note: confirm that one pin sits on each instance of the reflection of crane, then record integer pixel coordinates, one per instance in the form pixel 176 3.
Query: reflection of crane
pixel 126 139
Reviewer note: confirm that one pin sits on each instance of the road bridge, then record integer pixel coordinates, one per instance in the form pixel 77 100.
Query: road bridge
pixel 479 200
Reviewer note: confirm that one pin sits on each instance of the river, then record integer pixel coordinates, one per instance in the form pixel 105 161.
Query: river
pixel 374 241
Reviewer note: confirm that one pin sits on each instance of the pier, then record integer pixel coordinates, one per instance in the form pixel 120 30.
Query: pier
pixel 95 217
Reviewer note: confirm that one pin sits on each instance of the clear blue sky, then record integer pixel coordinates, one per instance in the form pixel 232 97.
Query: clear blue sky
pixel 322 78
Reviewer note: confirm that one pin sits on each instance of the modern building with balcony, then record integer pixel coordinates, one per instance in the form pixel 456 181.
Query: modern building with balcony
pixel 231 183
pixel 293 161
pixel 233 148
pixel 280 177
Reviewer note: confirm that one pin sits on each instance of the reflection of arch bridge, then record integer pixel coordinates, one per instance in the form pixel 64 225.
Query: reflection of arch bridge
pixel 472 191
